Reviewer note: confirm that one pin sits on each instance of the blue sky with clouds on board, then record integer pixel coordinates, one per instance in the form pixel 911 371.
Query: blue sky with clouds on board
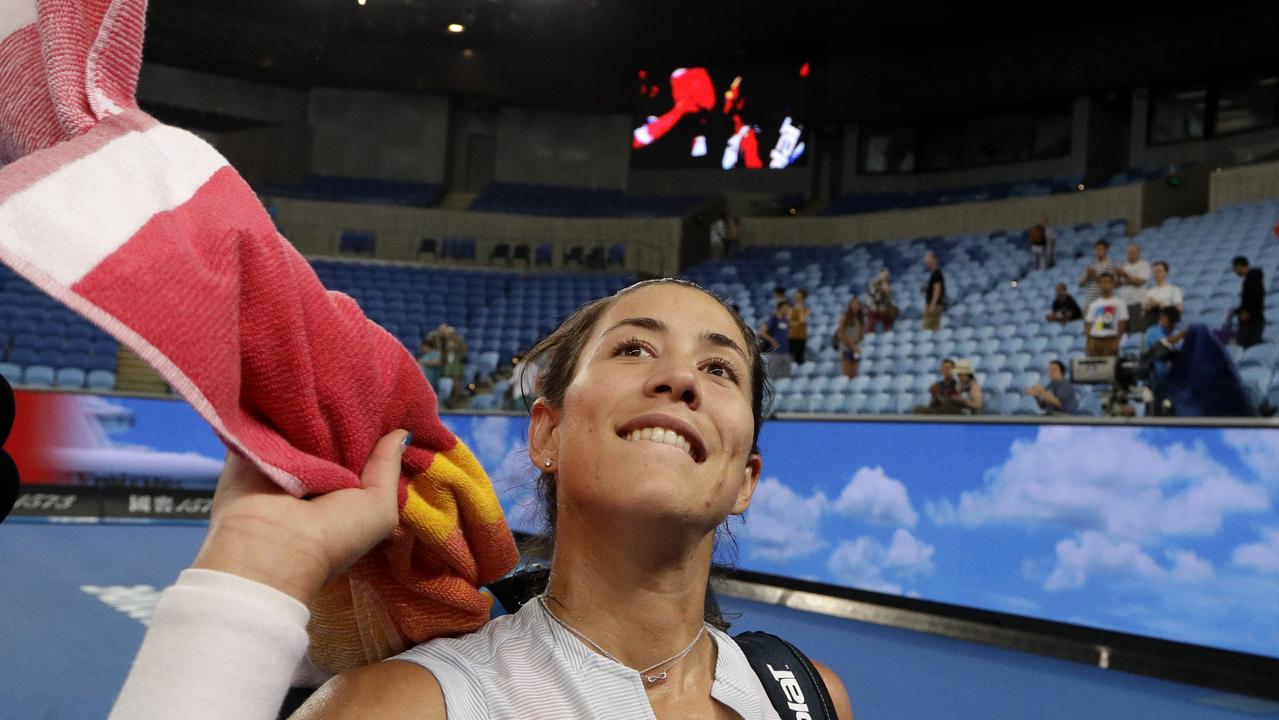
pixel 1168 532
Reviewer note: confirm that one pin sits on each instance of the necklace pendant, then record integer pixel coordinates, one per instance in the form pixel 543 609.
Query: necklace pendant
pixel 655 678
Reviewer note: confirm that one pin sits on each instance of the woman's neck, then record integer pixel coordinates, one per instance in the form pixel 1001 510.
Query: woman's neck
pixel 641 602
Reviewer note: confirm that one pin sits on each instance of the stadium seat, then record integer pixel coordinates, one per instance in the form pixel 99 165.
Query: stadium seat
pixel 11 372
pixel 100 380
pixel 879 404
pixel 1256 380
pixel 69 377
pixel 38 376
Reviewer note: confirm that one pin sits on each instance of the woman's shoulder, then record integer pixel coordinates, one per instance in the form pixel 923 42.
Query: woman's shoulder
pixel 388 689
pixel 409 684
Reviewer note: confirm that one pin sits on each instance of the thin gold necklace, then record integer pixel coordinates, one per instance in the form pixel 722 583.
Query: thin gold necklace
pixel 672 660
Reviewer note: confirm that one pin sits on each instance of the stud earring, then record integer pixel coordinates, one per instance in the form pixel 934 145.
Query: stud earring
pixel 549 462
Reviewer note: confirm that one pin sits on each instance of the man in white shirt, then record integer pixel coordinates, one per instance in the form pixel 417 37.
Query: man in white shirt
pixel 1163 294
pixel 1106 320
pixel 1134 275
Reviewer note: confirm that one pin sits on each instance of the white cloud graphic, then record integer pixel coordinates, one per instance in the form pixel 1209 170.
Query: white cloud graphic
pixel 873 496
pixel 856 563
pixel 1108 480
pixel 909 554
pixel 1259 449
pixel 1262 556
pixel 1077 558
pixel 781 523
pixel 1188 567
pixel 1093 553
pixel 864 561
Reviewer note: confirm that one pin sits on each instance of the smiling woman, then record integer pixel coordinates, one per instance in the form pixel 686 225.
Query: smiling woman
pixel 645 431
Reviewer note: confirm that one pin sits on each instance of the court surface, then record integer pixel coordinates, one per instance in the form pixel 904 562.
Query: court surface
pixel 67 638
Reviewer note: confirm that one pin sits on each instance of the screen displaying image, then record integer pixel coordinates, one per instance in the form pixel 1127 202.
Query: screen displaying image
pixel 727 118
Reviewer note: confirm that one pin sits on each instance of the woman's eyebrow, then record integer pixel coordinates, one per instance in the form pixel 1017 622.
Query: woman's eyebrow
pixel 724 341
pixel 646 323
pixel 655 325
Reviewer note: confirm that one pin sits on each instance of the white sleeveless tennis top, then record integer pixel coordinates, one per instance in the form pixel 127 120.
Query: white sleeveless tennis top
pixel 525 666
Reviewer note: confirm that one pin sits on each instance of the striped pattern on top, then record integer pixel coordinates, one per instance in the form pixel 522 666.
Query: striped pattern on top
pixel 525 666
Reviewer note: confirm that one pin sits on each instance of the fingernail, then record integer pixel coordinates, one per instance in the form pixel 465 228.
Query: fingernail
pixel 406 442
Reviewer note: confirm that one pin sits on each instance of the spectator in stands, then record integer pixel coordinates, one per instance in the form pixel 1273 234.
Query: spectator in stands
pixel 719 231
pixel 956 393
pixel 1043 245
pixel 431 360
pixel 943 394
pixel 848 337
pixel 1064 309
pixel 1133 277
pixel 1252 303
pixel 971 397
pixel 1106 320
pixel 800 314
pixel 1165 329
pixel 1092 274
pixel 1163 294
pixel 453 351
pixel 882 309
pixel 779 295
pixel 934 293
pixel 774 335
pixel 732 235
pixel 1059 396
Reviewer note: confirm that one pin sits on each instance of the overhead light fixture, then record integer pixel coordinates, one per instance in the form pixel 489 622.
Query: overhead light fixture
pixel 361 2
pixel 456 27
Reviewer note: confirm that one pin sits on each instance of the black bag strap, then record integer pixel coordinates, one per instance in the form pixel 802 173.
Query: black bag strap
pixel 790 679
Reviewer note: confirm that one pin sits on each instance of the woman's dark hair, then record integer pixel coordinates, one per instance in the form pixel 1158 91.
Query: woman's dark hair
pixel 557 357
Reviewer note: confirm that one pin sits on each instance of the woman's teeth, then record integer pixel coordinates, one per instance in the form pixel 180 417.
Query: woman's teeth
pixel 662 435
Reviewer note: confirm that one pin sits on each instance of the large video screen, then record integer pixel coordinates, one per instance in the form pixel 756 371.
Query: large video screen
pixel 1163 531
pixel 747 118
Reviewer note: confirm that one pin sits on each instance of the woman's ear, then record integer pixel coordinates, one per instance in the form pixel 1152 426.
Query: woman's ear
pixel 750 478
pixel 543 433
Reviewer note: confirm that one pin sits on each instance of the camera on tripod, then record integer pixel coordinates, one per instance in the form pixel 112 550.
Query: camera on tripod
pixel 1128 378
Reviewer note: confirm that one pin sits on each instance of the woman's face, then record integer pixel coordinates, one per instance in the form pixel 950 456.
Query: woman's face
pixel 657 421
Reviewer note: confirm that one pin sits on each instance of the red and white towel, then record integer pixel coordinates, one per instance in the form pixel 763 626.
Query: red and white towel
pixel 147 232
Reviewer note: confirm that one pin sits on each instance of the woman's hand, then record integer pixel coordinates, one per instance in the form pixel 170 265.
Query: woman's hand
pixel 260 532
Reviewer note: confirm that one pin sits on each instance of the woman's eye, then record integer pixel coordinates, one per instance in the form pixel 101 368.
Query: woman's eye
pixel 722 369
pixel 633 349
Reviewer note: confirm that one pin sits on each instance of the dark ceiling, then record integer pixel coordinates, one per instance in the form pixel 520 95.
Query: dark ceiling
pixel 891 62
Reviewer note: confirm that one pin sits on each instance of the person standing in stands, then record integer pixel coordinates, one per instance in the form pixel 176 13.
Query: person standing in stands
pixel 1059 396
pixel 719 232
pixel 732 235
pixel 431 361
pixel 882 309
pixel 799 317
pixel 453 351
pixel 934 293
pixel 1252 303
pixel 1163 295
pixel 1091 280
pixel 1043 245
pixel 1064 309
pixel 1106 320
pixel 1133 277
pixel 774 335
pixel 848 337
